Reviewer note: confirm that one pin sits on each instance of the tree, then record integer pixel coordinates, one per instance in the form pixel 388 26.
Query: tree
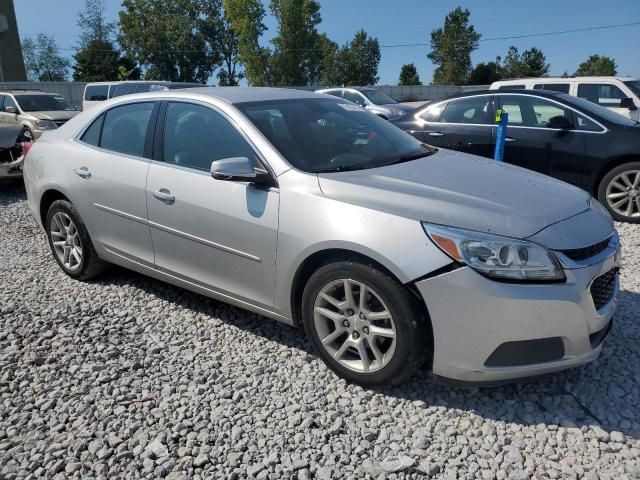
pixel 93 23
pixel 42 59
pixel 296 58
pixel 532 63
pixel 246 18
pixel 409 75
pixel 168 39
pixel 100 61
pixel 364 58
pixel 229 74
pixel 485 73
pixel 597 66
pixel 451 48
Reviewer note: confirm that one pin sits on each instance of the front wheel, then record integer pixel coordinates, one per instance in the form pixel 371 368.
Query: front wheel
pixel 365 325
pixel 619 192
pixel 70 242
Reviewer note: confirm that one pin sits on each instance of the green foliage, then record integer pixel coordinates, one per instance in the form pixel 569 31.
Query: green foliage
pixel 409 75
pixel 229 74
pixel 93 23
pixel 597 66
pixel 355 63
pixel 171 39
pixel 246 19
pixel 532 63
pixel 42 59
pixel 296 57
pixel 451 48
pixel 485 73
pixel 100 61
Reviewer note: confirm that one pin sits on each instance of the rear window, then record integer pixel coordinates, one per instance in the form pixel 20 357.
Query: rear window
pixel 511 87
pixel 555 87
pixel 96 93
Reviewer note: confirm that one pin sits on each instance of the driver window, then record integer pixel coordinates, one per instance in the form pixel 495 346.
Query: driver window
pixel 195 136
pixel 353 97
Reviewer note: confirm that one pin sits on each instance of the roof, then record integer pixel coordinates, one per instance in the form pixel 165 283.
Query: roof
pixel 250 94
pixel 360 89
pixel 519 91
pixel 565 79
pixel 28 92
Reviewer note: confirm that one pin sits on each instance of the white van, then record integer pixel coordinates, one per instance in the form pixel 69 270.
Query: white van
pixel 97 92
pixel 620 94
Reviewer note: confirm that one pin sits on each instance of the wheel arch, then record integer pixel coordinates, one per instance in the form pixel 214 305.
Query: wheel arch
pixel 319 258
pixel 48 197
pixel 610 165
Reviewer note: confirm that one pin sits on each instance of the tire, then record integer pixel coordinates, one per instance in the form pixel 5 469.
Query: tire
pixel 398 358
pixel 619 190
pixel 75 235
pixel 26 134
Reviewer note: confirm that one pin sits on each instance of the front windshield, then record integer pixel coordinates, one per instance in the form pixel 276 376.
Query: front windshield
pixel 326 135
pixel 597 110
pixel 43 103
pixel 377 97
pixel 634 86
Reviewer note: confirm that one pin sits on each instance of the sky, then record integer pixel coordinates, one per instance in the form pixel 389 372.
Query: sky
pixel 411 21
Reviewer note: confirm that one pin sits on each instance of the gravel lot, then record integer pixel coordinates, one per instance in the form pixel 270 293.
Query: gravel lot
pixel 127 377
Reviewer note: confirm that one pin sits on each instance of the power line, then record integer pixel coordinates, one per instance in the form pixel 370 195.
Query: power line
pixel 426 44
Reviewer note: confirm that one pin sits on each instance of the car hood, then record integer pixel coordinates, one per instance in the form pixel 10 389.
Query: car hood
pixel 55 115
pixel 461 190
pixel 403 107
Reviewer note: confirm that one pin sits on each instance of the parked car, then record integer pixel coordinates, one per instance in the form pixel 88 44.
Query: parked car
pixel 94 93
pixel 553 133
pixel 13 147
pixel 34 111
pixel 309 210
pixel 372 100
pixel 619 94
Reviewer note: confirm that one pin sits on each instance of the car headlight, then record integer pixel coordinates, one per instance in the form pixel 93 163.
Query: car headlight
pixel 500 258
pixel 45 124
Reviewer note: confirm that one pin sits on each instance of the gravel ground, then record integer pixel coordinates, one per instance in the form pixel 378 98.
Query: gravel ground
pixel 127 377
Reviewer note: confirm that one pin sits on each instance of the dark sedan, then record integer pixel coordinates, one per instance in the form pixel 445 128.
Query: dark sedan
pixel 553 133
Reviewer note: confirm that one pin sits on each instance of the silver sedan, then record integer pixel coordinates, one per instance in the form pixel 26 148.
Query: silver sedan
pixel 393 255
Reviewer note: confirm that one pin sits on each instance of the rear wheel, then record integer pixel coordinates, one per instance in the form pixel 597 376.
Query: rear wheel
pixel 366 327
pixel 70 242
pixel 619 192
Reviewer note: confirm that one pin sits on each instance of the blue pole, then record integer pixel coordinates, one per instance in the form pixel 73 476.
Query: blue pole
pixel 502 118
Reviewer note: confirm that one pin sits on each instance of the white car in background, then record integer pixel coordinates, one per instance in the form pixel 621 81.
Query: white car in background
pixel 371 100
pixel 619 94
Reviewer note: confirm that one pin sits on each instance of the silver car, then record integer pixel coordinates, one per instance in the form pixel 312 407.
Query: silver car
pixel 373 101
pixel 393 255
pixel 34 111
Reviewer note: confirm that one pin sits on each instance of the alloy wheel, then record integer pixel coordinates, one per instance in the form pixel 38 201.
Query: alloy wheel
pixel 354 325
pixel 623 193
pixel 66 242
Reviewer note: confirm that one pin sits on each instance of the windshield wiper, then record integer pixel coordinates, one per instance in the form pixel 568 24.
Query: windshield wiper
pixel 413 156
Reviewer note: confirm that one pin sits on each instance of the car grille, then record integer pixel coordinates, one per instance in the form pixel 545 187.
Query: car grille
pixel 603 288
pixel 59 123
pixel 587 252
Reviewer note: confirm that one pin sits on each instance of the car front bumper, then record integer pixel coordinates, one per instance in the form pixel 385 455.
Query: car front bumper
pixel 489 332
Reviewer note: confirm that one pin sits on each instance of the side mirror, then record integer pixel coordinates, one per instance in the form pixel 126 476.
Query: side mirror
pixel 628 102
pixel 233 169
pixel 559 122
pixel 11 109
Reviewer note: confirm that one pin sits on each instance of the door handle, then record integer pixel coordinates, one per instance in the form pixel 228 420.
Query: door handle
pixel 510 139
pixel 164 195
pixel 436 134
pixel 82 172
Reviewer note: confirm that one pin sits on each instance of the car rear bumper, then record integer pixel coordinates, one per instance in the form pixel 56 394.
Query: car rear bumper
pixel 488 332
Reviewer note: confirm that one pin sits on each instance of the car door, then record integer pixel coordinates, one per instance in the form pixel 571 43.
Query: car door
pixel 216 233
pixel 462 124
pixel 7 117
pixel 605 94
pixel 531 144
pixel 107 169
